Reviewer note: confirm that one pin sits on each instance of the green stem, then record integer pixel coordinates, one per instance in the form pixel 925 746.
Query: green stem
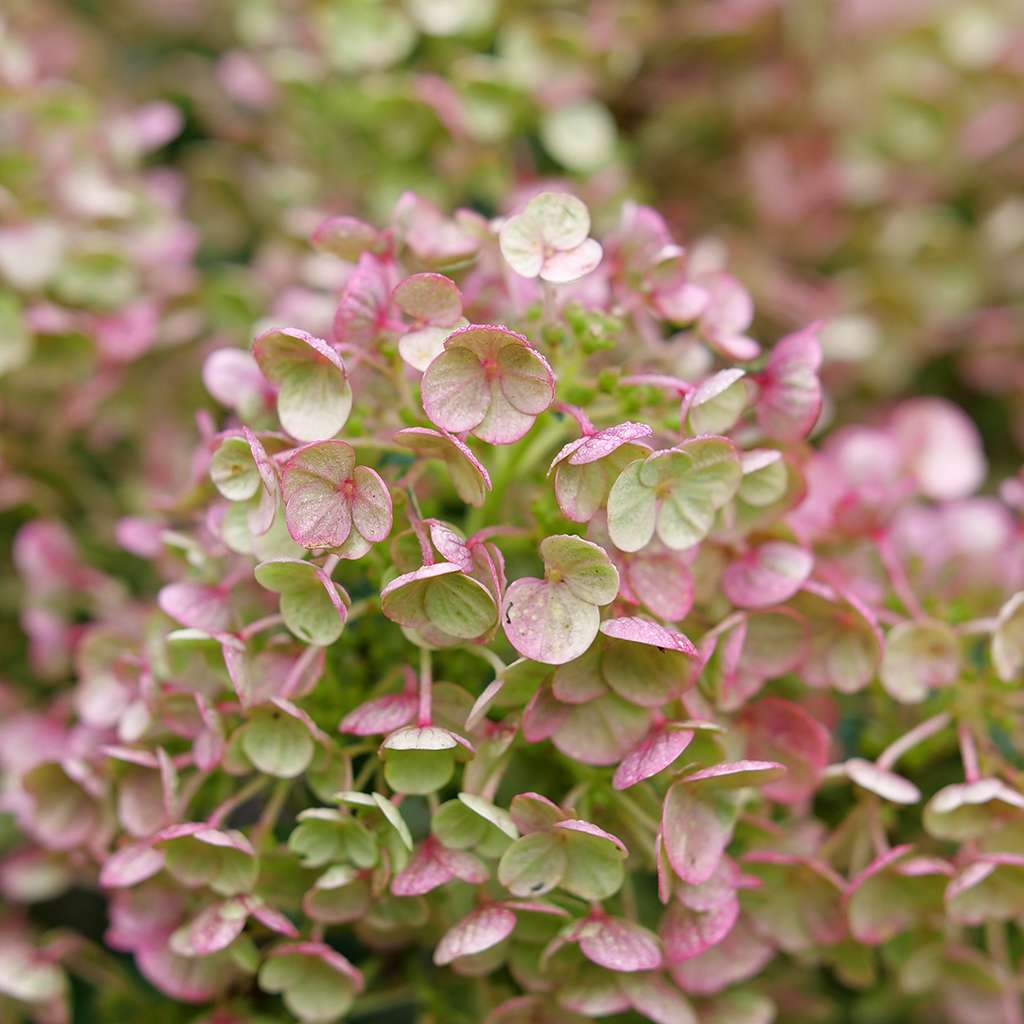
pixel 273 808
pixel 514 463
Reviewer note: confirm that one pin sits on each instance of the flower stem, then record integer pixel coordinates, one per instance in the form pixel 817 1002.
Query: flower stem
pixel 918 734
pixel 968 753
pixel 426 688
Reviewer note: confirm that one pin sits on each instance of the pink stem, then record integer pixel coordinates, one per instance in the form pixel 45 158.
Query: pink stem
pixel 236 800
pixel 659 380
pixel 498 531
pixel 295 674
pixel 426 551
pixel 898 576
pixel 918 734
pixel 426 689
pixel 267 622
pixel 581 418
pixel 968 753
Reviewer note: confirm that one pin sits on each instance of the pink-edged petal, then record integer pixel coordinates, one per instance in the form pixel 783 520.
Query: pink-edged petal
pixel 790 391
pixel 196 606
pixel 656 999
pixel 740 955
pixel 371 505
pixel 362 312
pixel 687 932
pixel 736 774
pixel 546 622
pixel 589 829
pixel 941 446
pixel 185 979
pixel 455 390
pixel 620 945
pixel 695 833
pixel 643 631
pixel 424 872
pixel 479 930
pixel 603 731
pixel 543 716
pixel 888 785
pixel 661 583
pixel 766 575
pixel 345 237
pixel 214 928
pixel 779 730
pixel 572 264
pixel 604 442
pixel 380 715
pixel 131 865
pixel 271 919
pixel 660 748
pixel 532 812
pixel 430 299
pixel 313 396
pixel 317 504
pixel 526 379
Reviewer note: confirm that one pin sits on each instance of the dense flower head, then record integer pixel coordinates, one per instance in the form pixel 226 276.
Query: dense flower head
pixel 528 641
pixel 521 616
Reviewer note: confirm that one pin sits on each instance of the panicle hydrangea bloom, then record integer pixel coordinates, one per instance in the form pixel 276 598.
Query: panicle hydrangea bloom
pixel 541 653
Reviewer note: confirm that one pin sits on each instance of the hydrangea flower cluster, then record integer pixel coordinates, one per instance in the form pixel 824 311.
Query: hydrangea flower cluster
pixel 517 625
